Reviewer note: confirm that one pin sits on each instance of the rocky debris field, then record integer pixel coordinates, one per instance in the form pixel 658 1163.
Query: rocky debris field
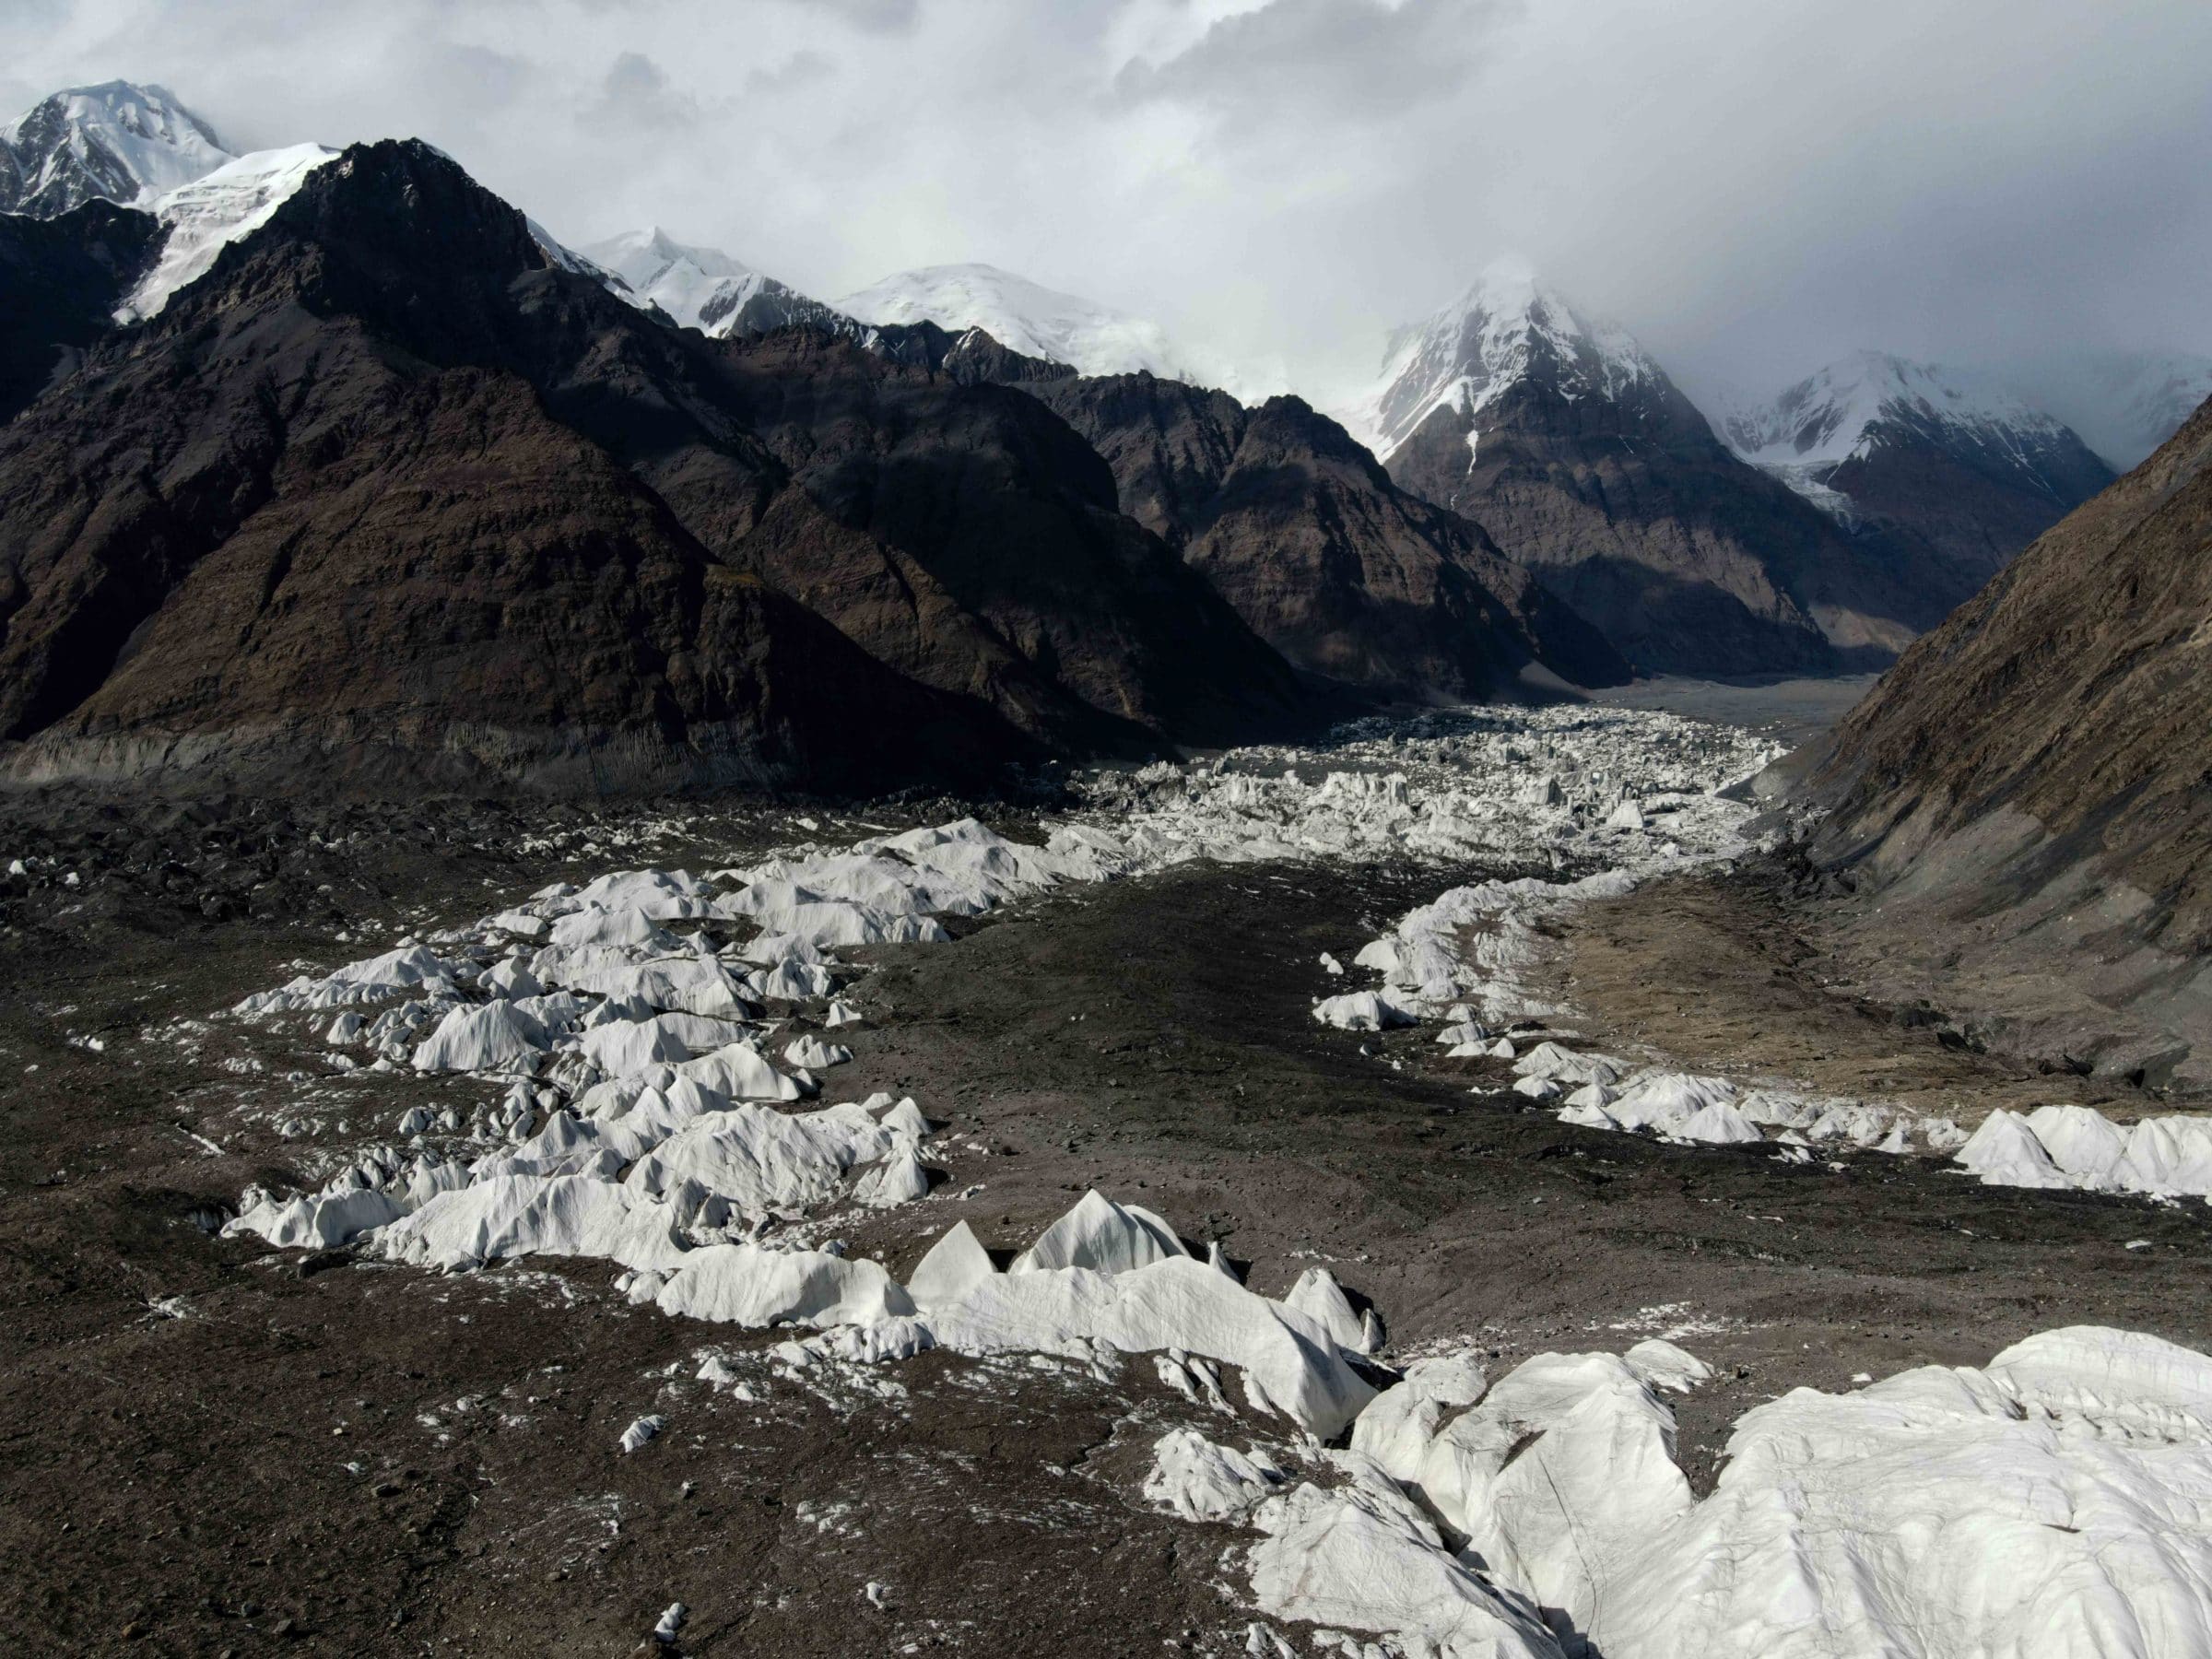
pixel 1150 1291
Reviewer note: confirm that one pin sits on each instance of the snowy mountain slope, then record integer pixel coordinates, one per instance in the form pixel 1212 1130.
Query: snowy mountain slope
pixel 1508 326
pixel 124 143
pixel 1853 407
pixel 567 259
pixel 2124 404
pixel 1036 322
pixel 1943 472
pixel 209 214
pixel 698 286
pixel 705 288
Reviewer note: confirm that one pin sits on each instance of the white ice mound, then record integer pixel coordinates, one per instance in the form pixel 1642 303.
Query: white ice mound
pixel 1564 1066
pixel 1666 1102
pixel 317 1220
pixel 2080 1140
pixel 1718 1124
pixel 953 1265
pixel 531 1215
pixel 2005 1152
pixel 409 971
pixel 1289 1363
pixel 1361 1011
pixel 1320 1298
pixel 1395 1430
pixel 1102 1235
pixel 900 1179
pixel 2078 1147
pixel 1193 1478
pixel 741 1072
pixel 906 1118
pixel 814 1055
pixel 495 1036
pixel 675 985
pixel 742 1284
pixel 1362 1556
pixel 760 1160
pixel 2056 1505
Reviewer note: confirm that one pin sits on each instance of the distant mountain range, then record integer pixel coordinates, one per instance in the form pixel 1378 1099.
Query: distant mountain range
pixel 335 461
pixel 706 289
pixel 1030 509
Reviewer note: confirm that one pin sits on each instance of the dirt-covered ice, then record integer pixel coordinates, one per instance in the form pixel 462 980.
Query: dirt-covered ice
pixel 634 1074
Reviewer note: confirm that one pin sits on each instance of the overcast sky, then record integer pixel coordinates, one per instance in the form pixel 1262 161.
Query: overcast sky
pixel 1754 186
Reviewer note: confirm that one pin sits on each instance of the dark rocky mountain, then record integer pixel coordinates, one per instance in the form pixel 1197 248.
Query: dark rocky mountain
pixel 1566 442
pixel 1346 574
pixel 386 481
pixel 112 142
pixel 2028 795
pixel 62 278
pixel 1928 470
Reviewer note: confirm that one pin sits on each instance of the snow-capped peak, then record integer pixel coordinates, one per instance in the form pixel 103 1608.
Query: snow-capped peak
pixel 209 214
pixel 1035 320
pixel 1508 326
pixel 1840 413
pixel 127 143
pixel 701 287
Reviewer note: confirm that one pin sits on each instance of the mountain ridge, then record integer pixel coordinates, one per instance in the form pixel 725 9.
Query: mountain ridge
pixel 391 361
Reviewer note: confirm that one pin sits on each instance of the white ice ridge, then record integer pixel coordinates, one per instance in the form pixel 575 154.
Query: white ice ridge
pixel 2055 1504
pixel 210 213
pixel 1105 1280
pixel 2169 1157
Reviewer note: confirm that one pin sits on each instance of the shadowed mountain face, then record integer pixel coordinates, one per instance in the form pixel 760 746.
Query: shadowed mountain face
pixel 1629 510
pixel 1297 527
pixel 61 279
pixel 383 482
pixel 2035 769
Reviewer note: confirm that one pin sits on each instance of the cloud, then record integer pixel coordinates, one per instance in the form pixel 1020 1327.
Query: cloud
pixel 636 91
pixel 801 69
pixel 880 16
pixel 1326 61
pixel 1754 186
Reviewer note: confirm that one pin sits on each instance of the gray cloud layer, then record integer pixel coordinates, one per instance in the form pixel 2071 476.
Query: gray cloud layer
pixel 1754 185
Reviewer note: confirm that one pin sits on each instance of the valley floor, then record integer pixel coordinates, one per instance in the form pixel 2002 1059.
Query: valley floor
pixel 208 1446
